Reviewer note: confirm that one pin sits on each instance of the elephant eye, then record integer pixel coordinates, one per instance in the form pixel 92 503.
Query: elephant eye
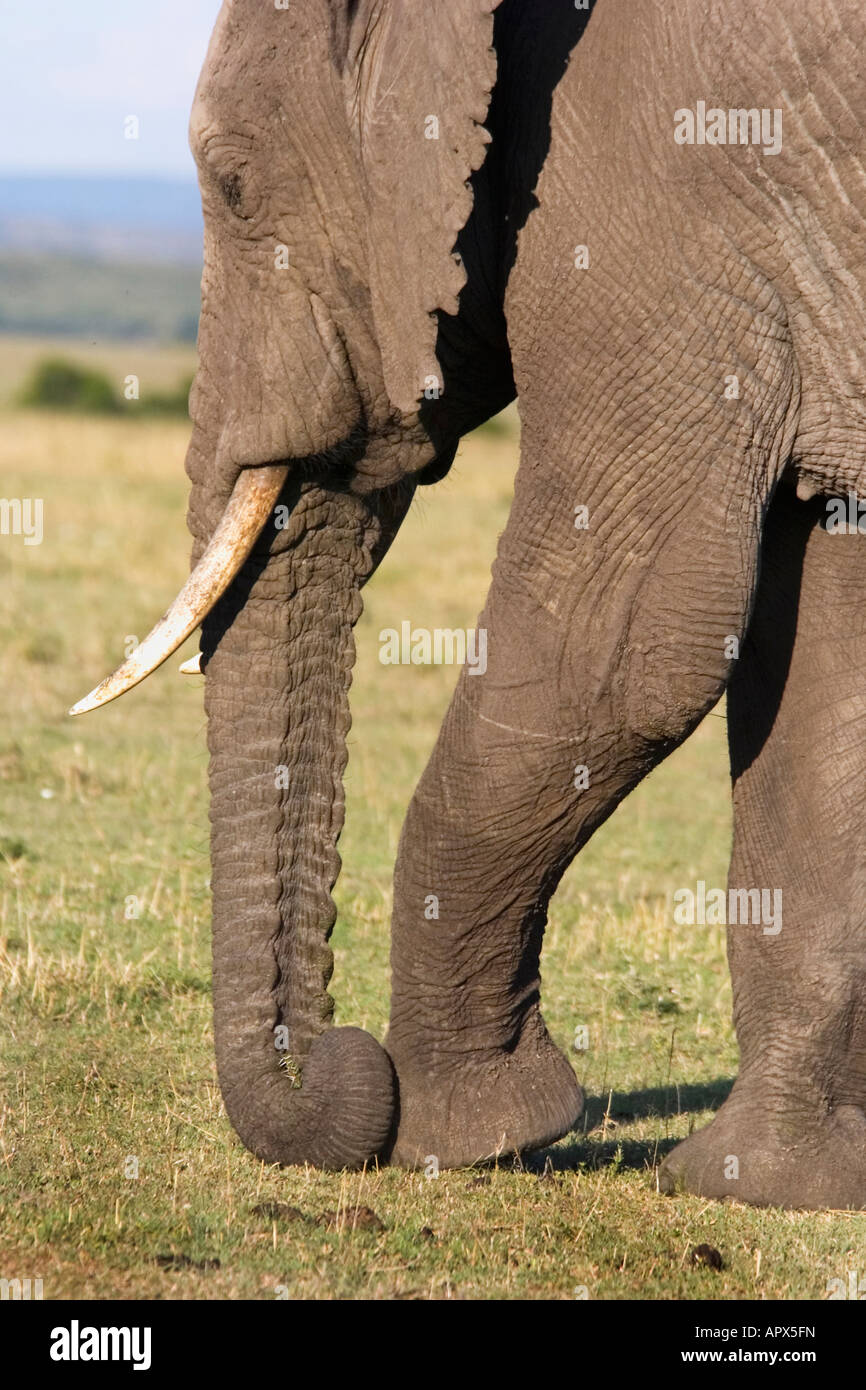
pixel 230 187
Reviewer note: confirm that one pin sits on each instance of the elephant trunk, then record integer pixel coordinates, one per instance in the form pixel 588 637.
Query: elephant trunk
pixel 278 652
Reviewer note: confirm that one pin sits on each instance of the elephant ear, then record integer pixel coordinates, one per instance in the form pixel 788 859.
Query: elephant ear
pixel 419 77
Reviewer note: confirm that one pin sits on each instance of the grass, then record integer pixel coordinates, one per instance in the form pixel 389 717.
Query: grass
pixel 119 1173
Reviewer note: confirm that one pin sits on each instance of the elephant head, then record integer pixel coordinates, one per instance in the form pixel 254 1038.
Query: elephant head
pixel 334 140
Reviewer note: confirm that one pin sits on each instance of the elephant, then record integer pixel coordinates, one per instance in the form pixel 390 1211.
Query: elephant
pixel 646 224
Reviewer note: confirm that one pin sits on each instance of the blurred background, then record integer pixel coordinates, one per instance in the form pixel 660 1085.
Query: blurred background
pixel 100 223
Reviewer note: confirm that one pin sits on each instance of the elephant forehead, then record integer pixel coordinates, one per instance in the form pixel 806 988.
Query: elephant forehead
pixel 258 61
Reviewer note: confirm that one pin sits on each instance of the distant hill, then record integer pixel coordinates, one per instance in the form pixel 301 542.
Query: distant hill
pixel 100 257
pixel 60 295
pixel 105 218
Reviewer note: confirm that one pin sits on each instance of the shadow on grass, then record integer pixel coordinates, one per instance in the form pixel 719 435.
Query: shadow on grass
pixel 661 1103
pixel 619 1154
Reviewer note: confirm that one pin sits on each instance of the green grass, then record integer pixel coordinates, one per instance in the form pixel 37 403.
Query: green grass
pixel 105 1016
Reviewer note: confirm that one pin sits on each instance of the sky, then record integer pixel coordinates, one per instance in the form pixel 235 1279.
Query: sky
pixel 72 71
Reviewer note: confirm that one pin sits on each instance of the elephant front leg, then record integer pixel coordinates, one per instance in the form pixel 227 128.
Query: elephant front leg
pixel 490 828
pixel 793 1132
pixel 601 658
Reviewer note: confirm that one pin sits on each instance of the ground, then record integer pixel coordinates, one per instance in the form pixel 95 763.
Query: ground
pixel 119 1173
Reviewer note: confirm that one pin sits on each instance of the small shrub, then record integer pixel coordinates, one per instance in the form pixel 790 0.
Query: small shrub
pixel 56 384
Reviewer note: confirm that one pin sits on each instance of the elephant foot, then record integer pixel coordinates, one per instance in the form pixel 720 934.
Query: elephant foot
pixel 741 1155
pixel 516 1102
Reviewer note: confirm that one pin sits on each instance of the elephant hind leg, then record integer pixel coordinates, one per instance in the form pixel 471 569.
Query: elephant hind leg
pixel 793 1131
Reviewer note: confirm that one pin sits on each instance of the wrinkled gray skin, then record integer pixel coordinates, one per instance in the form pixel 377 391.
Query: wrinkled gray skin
pixel 607 645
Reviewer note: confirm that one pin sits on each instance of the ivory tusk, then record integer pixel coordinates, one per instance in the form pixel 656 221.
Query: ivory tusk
pixel 249 507
pixel 191 667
